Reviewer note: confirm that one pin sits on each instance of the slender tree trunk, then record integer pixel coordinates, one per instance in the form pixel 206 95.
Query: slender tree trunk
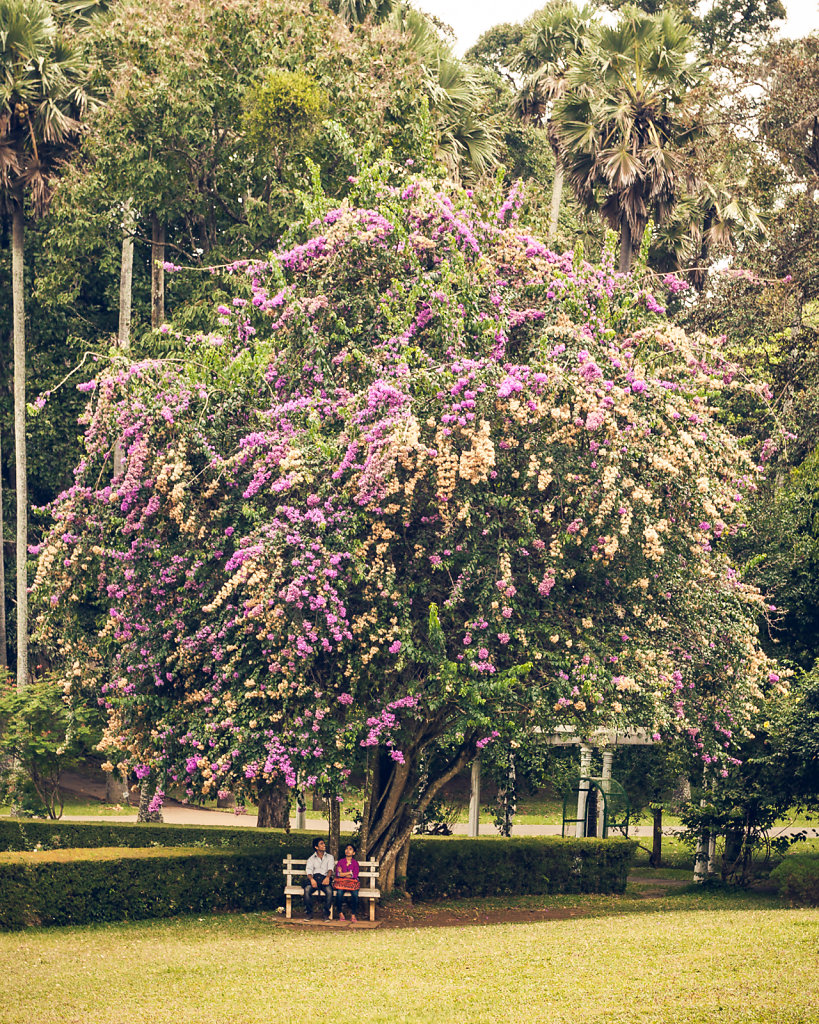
pixel 4 663
pixel 157 272
pixel 274 806
pixel 557 194
pixel 334 837
pixel 146 793
pixel 17 236
pixel 126 279
pixel 625 246
pixel 656 837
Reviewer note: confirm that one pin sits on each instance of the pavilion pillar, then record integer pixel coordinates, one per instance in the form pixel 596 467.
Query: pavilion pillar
pixel 583 790
pixel 475 799
pixel 608 759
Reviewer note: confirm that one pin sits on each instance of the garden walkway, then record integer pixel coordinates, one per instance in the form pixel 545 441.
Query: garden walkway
pixel 178 814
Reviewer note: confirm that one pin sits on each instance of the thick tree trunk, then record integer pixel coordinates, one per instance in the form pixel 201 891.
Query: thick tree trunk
pixel 146 793
pixel 656 837
pixel 626 246
pixel 390 819
pixel 157 272
pixel 116 791
pixel 126 279
pixel 4 664
pixel 274 806
pixel 557 193
pixel 17 235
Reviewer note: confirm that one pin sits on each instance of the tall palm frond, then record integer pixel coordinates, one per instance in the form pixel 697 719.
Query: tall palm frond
pixel 557 35
pixel 356 12
pixel 624 118
pixel 466 139
pixel 42 97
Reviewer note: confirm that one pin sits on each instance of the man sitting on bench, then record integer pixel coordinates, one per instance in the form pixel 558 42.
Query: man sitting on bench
pixel 319 871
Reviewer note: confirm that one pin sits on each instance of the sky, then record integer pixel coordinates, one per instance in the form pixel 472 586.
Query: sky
pixel 470 18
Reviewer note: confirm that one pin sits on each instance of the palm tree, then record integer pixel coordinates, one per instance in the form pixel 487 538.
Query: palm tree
pixel 465 136
pixel 41 101
pixel 356 12
pixel 556 36
pixel 626 116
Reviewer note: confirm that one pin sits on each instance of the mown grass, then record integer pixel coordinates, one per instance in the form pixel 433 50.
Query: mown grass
pixel 685 957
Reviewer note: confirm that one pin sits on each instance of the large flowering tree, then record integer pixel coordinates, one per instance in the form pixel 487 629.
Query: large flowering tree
pixel 429 485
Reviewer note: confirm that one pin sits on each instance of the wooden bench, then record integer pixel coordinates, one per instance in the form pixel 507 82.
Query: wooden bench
pixel 367 876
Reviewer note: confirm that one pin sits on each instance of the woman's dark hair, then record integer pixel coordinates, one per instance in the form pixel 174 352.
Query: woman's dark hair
pixel 344 849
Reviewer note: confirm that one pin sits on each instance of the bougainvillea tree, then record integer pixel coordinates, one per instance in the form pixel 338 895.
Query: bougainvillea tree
pixel 429 485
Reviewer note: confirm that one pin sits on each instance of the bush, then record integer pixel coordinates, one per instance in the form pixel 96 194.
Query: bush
pixel 42 733
pixel 86 886
pixel 77 873
pixel 497 866
pixel 797 878
pixel 45 835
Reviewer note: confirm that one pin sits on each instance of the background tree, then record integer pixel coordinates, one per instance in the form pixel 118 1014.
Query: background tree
pixel 721 25
pixel 624 118
pixel 41 100
pixel 554 37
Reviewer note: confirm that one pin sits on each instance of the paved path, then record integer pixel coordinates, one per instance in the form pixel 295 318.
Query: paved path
pixel 176 815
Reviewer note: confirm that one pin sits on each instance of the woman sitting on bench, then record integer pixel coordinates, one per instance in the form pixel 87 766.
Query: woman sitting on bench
pixel 346 882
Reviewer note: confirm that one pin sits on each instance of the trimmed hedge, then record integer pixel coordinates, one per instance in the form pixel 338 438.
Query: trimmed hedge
pixel 797 878
pixel 498 867
pixel 25 834
pixel 120 871
pixel 87 886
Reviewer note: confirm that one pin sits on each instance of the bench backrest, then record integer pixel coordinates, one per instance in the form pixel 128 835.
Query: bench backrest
pixel 367 870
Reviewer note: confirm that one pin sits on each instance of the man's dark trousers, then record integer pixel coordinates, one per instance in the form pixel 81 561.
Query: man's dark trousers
pixel 325 890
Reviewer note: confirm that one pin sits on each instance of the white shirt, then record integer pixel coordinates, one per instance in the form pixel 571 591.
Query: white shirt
pixel 320 865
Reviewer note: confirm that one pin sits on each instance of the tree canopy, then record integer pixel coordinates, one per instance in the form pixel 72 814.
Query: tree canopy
pixel 427 481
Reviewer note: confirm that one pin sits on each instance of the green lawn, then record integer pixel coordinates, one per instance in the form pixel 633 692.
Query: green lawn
pixel 686 957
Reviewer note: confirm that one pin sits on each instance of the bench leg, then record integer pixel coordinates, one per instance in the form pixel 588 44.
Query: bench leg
pixel 289 905
pixel 372 910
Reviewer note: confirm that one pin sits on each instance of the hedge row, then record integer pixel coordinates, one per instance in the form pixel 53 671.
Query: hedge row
pixel 25 834
pixel 497 867
pixel 797 878
pixel 86 886
pixel 211 869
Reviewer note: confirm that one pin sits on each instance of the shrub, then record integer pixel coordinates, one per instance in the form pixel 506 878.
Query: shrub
pixel 496 866
pixel 42 733
pixel 85 886
pixel 797 878
pixel 46 835
pixel 128 872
